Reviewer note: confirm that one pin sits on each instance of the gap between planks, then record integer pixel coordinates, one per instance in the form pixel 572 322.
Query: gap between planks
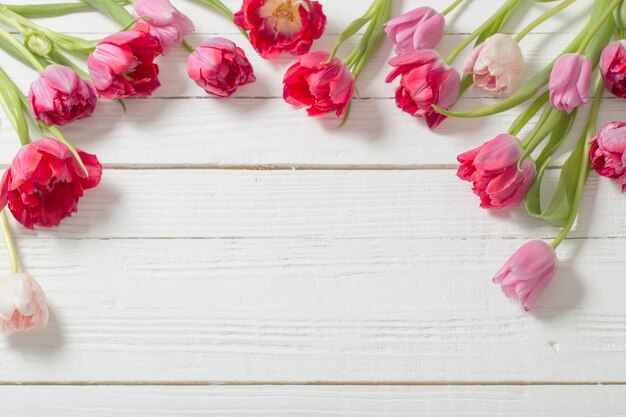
pixel 317 383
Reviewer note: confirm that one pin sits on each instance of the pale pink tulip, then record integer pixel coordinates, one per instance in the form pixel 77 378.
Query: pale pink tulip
pixel 166 22
pixel 22 304
pixel 569 82
pixel 528 272
pixel 497 64
pixel 421 28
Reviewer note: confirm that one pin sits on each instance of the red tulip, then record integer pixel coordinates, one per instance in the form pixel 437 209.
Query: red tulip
pixel 608 152
pixel 426 81
pixel 323 88
pixel 220 67
pixel 123 64
pixel 59 96
pixel 44 182
pixel 277 26
pixel 613 68
pixel 492 170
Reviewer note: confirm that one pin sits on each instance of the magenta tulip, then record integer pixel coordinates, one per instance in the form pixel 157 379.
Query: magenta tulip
pixel 492 169
pixel 59 96
pixel 608 152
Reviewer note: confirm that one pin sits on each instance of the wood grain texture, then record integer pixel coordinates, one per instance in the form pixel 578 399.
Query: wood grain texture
pixel 289 401
pixel 341 204
pixel 295 310
pixel 188 266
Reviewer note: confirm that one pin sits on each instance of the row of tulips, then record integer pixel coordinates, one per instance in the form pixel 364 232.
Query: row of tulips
pixel 48 176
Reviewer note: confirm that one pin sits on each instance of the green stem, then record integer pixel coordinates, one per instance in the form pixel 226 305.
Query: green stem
pixel 223 9
pixel 601 20
pixel 547 15
pixel 187 46
pixel 8 241
pixel 451 7
pixel 528 114
pixel 486 25
pixel 19 46
pixel 620 33
pixel 584 166
pixel 529 144
pixel 27 27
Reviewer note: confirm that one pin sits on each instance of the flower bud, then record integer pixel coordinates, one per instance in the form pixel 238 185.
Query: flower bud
pixel 421 28
pixel 23 304
pixel 528 272
pixel 569 82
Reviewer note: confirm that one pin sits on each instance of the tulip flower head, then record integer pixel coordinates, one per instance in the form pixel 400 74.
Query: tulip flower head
pixel 122 64
pixel 219 67
pixel 277 26
pixel 492 168
pixel 608 152
pixel 497 64
pixel 569 82
pixel 421 28
pixel 426 81
pixel 44 183
pixel 167 23
pixel 322 88
pixel 613 68
pixel 59 96
pixel 23 304
pixel 528 272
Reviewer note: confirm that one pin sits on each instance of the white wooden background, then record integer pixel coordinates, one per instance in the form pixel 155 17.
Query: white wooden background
pixel 240 259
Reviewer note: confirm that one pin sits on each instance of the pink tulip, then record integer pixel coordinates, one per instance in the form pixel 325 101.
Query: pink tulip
pixel 426 81
pixel 322 88
pixel 497 64
pixel 528 272
pixel 421 28
pixel 122 65
pixel 23 304
pixel 613 68
pixel 59 96
pixel 166 22
pixel 220 67
pixel 608 152
pixel 569 82
pixel 492 170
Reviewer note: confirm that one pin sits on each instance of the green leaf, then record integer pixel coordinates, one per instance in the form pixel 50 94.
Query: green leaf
pixel 353 28
pixel 560 205
pixel 558 135
pixel 619 14
pixel 604 34
pixel 51 10
pixel 112 9
pixel 10 102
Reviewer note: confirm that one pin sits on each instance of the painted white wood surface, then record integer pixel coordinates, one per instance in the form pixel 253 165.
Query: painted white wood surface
pixel 197 261
pixel 308 401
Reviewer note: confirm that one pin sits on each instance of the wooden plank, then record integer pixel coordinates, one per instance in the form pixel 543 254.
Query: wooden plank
pixel 251 132
pixel 293 310
pixel 315 401
pixel 296 204
pixel 339 13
